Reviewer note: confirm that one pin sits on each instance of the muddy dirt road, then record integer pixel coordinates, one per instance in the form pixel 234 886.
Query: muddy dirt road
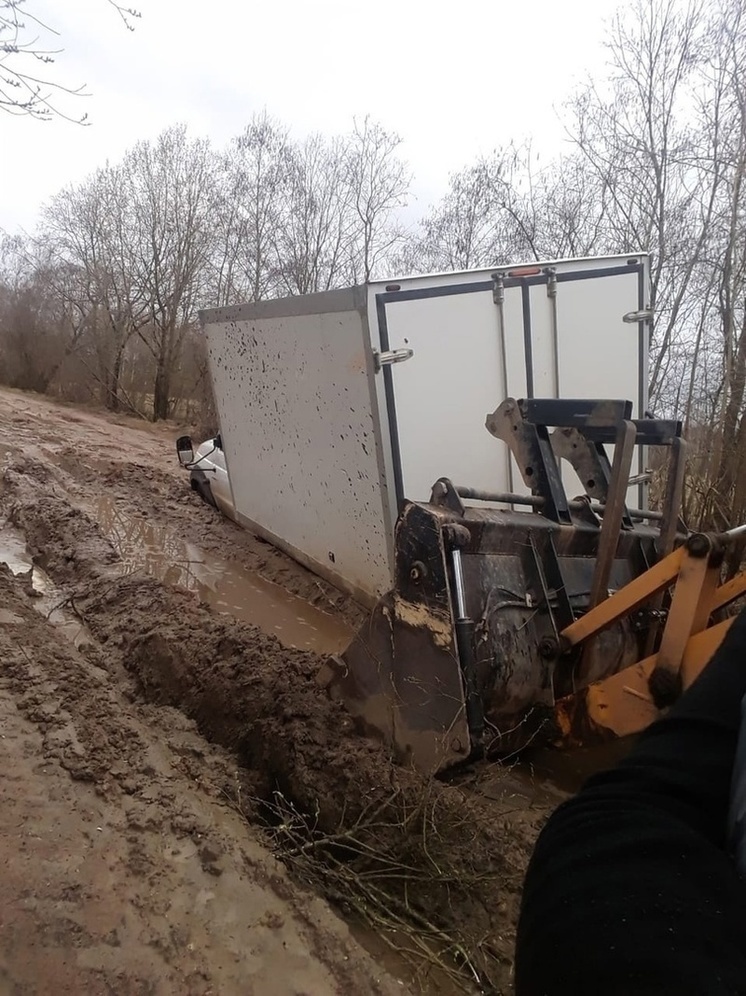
pixel 163 740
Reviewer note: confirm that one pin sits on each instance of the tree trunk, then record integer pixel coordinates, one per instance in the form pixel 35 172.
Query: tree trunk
pixel 113 402
pixel 161 389
pixel 727 470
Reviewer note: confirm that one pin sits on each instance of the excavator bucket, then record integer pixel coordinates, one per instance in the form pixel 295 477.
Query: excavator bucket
pixel 465 655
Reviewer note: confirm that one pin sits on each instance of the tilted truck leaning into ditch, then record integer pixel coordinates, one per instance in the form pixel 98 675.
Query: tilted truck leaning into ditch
pixel 465 452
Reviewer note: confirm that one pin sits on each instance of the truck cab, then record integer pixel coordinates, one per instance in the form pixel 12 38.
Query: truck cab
pixel 208 473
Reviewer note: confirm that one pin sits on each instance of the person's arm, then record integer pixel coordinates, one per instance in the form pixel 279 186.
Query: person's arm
pixel 630 889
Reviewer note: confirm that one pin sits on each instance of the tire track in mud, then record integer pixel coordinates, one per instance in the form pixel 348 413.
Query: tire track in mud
pixel 460 860
pixel 134 463
pixel 164 497
pixel 124 869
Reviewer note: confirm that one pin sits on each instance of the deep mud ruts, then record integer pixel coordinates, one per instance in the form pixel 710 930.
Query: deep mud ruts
pixel 460 858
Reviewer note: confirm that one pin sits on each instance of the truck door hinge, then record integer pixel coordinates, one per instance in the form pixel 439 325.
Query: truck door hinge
pixel 551 281
pixel 390 356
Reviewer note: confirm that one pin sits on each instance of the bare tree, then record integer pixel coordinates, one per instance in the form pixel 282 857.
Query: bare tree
pixel 340 212
pixel 25 87
pixel 463 230
pixel 379 184
pixel 255 174
pixel 41 324
pixel 172 186
pixel 727 245
pixel 314 235
pixel 635 134
pixel 90 226
pixel 505 208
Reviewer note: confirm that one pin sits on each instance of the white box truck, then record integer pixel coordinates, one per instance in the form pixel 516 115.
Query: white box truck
pixel 336 407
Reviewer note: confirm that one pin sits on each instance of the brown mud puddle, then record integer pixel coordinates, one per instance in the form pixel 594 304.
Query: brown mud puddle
pixel 244 595
pixel 48 600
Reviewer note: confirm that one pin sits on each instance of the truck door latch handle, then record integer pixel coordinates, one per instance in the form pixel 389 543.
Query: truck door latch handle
pixel 391 356
pixel 632 317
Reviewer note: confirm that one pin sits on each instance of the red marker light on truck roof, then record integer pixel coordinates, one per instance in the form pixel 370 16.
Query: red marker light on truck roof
pixel 525 271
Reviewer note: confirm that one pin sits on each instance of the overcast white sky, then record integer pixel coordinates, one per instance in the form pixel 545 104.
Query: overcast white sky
pixel 454 79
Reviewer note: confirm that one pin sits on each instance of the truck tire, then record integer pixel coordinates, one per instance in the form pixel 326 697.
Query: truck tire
pixel 201 485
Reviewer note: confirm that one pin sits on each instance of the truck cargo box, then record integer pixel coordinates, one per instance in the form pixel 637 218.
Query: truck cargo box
pixel 335 407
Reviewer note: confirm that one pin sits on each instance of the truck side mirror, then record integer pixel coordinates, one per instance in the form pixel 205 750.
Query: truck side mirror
pixel 218 442
pixel 185 450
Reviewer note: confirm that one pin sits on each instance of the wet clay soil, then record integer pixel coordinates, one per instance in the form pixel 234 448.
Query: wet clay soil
pixel 147 746
pixel 157 550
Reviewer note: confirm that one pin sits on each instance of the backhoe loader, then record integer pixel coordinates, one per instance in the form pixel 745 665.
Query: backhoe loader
pixel 537 618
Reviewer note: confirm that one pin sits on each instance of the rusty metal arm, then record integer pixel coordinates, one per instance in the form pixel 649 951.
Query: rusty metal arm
pixel 624 601
pixel 615 511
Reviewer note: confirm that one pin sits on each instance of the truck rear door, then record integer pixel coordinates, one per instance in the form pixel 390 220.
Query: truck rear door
pixel 542 330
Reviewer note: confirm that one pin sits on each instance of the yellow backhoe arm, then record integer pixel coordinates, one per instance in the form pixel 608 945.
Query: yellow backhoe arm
pixel 631 699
